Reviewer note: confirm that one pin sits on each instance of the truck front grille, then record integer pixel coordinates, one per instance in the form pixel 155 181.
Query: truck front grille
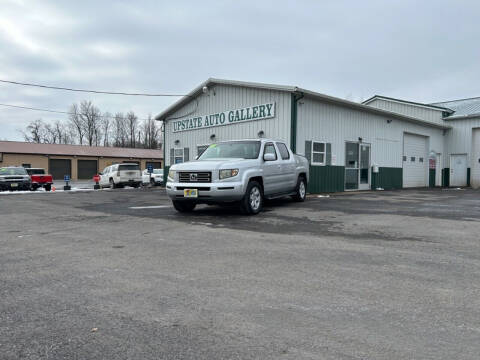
pixel 195 177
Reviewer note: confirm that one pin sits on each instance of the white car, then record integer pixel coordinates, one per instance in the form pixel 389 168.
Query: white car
pixel 155 179
pixel 119 175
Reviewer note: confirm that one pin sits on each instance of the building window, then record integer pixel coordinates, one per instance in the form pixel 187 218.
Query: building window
pixel 420 159
pixel 404 158
pixel 27 166
pixel 412 159
pixel 318 153
pixel 178 156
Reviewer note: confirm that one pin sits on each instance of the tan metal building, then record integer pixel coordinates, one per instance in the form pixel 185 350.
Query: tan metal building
pixel 80 162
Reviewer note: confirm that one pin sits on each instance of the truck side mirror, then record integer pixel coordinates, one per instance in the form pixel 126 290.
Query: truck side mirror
pixel 269 157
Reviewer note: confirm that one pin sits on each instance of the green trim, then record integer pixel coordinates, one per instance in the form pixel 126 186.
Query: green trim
pixel 388 178
pixel 326 179
pixel 165 168
pixel 446 177
pixel 293 121
pixel 293 124
pixel 431 177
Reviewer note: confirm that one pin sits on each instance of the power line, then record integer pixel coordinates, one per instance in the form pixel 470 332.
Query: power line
pixel 56 111
pixel 87 91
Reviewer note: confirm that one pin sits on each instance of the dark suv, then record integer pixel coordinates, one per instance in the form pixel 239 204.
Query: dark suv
pixel 14 178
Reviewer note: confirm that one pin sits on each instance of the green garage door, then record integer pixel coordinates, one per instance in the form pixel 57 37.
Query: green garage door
pixel 58 168
pixel 86 169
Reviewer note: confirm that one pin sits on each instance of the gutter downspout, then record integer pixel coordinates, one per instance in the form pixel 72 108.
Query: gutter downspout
pixel 293 120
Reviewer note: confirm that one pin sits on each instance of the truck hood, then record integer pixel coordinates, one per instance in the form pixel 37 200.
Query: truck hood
pixel 213 164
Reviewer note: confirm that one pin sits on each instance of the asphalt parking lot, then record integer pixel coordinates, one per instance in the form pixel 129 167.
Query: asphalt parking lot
pixel 120 275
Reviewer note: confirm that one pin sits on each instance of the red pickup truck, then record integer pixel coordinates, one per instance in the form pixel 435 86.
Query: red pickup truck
pixel 40 179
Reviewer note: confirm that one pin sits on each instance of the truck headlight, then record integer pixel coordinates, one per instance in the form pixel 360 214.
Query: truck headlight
pixel 171 175
pixel 225 174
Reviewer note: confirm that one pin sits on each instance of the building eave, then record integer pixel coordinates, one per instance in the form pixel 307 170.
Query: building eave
pixel 371 109
pixel 462 117
pixel 163 116
pixel 428 106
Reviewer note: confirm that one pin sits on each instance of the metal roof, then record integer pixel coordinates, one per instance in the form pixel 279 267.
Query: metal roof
pixel 462 108
pixel 18 147
pixel 430 106
pixel 292 89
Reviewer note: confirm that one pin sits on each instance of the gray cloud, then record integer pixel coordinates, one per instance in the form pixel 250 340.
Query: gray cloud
pixel 423 51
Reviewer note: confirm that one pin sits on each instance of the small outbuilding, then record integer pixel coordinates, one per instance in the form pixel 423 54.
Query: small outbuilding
pixel 78 161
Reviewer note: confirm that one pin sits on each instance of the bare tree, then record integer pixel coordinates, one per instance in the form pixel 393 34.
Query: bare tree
pixel 151 133
pixel 106 124
pixel 132 122
pixel 76 122
pixel 50 135
pixel 35 131
pixel 120 130
pixel 90 117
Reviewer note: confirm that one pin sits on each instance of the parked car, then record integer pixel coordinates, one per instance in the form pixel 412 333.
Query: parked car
pixel 119 175
pixel 244 171
pixel 155 179
pixel 40 179
pixel 14 178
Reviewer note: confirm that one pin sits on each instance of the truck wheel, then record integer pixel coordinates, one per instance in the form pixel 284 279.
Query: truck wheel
pixel 184 206
pixel 252 202
pixel 301 190
pixel 112 184
pixel 48 187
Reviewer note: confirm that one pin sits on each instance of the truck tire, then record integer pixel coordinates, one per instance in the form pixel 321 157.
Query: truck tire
pixel 48 187
pixel 112 184
pixel 300 190
pixel 252 201
pixel 183 206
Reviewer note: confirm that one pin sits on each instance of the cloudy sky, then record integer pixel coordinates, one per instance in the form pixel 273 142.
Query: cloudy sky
pixel 418 50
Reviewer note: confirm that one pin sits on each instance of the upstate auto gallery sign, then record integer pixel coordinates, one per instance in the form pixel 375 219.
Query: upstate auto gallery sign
pixel 229 117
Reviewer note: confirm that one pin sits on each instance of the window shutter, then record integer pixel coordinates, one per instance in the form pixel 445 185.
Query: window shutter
pixel 186 155
pixel 172 157
pixel 329 154
pixel 308 151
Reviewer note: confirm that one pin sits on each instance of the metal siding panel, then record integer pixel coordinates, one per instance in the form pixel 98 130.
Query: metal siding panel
pixel 426 114
pixel 335 124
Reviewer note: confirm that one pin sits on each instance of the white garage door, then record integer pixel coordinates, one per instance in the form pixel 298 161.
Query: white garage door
pixel 475 176
pixel 415 161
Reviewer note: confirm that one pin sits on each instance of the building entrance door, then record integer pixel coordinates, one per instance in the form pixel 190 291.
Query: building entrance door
pixel 357 166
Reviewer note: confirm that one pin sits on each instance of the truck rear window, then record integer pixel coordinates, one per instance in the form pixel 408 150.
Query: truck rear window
pixel 128 167
pixel 35 171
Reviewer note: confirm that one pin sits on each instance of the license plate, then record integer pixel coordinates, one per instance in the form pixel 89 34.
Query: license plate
pixel 13 185
pixel 190 193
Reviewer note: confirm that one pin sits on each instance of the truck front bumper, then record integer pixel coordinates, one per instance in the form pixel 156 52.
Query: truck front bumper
pixel 207 192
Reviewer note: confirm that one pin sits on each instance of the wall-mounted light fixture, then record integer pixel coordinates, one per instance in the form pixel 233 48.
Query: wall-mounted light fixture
pixel 389 121
pixel 212 137
pixel 177 142
pixel 261 134
pixel 360 139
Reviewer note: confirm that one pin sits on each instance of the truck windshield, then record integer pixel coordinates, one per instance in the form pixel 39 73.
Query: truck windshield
pixel 12 171
pixel 234 149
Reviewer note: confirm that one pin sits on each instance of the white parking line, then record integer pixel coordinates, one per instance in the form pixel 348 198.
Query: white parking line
pixel 148 207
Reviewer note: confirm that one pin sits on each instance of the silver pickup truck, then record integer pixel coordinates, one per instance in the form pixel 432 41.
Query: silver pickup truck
pixel 243 171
